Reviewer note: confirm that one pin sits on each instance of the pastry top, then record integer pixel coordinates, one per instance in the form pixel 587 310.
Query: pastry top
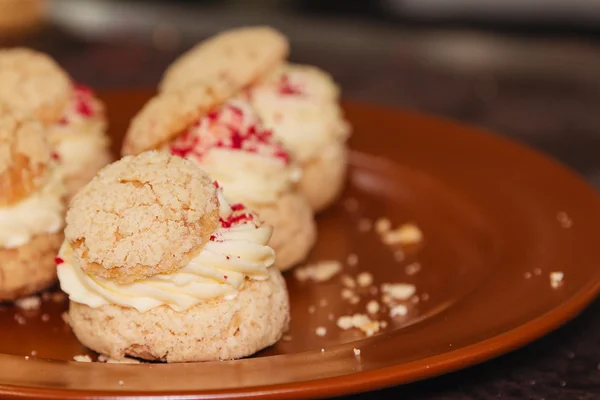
pixel 169 114
pixel 240 56
pixel 142 216
pixel 300 104
pixel 35 82
pixel 232 146
pixel 24 154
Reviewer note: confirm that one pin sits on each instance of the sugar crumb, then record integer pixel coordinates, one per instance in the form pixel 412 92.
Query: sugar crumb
pixel 321 331
pixel 121 383
pixel 347 294
pixel 361 321
pixel 83 358
pixel 65 317
pixel 286 338
pixel 311 309
pixel 45 317
pixel 29 303
pixel 354 300
pixel 321 271
pixel 356 351
pixel 58 297
pixel 364 279
pixel 323 302
pixel 20 319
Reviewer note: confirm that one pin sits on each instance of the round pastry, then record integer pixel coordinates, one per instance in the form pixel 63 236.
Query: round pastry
pixel 152 243
pixel 299 103
pixel 74 117
pixel 230 144
pixel 31 206
pixel 238 55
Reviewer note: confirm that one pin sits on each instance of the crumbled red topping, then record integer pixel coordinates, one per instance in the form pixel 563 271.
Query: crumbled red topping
pixel 227 128
pixel 237 207
pixel 235 219
pixel 58 260
pixel 82 104
pixel 287 88
pixel 55 156
pixel 225 276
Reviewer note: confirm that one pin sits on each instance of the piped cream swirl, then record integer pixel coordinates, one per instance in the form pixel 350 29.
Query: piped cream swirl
pixel 236 252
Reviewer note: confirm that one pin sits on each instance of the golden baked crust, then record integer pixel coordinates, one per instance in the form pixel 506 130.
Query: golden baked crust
pixel 35 82
pixel 24 155
pixel 141 216
pixel 240 56
pixel 216 329
pixel 169 114
pixel 30 268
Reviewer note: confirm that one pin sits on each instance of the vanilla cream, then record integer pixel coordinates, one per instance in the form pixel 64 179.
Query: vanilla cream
pixel 42 212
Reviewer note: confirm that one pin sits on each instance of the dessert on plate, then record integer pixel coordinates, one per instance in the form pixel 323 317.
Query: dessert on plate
pixel 300 103
pixel 158 265
pixel 73 115
pixel 31 206
pixel 227 139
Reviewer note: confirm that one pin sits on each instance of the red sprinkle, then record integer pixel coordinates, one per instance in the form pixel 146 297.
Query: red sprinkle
pixel 55 156
pixel 287 88
pixel 216 184
pixel 58 260
pixel 225 276
pixel 237 207
pixel 212 238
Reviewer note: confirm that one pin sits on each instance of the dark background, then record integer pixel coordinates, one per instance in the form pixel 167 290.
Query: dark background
pixel 527 69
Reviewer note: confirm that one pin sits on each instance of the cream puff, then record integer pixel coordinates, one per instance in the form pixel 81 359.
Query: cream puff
pixel 31 206
pixel 226 138
pixel 152 243
pixel 73 115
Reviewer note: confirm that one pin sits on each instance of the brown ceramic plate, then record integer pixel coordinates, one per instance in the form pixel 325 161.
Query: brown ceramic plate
pixel 497 219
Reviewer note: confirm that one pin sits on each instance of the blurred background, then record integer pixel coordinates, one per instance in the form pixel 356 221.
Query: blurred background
pixel 526 68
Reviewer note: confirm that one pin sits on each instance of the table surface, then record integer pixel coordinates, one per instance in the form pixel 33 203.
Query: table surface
pixel 544 91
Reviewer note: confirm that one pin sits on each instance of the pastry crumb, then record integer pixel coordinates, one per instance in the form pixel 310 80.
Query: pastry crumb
pixel 564 220
pixel 323 302
pixel 537 271
pixel 356 351
pixel 311 309
pixel 330 317
pixel 412 268
pixel 83 358
pixel 364 279
pixel 347 294
pixel 352 260
pixel 365 224
pixel 286 338
pixel 360 321
pixel 527 275
pixel 382 225
pixel 321 271
pixel 556 279
pixel 398 310
pixel 65 318
pixel 104 359
pixel 45 317
pixel 398 291
pixel 58 297
pixel 121 383
pixel 29 303
pixel 20 319
pixel 399 255
pixel 321 331
pixel 406 234
pixel 373 307
pixel 354 300
pixel 348 281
